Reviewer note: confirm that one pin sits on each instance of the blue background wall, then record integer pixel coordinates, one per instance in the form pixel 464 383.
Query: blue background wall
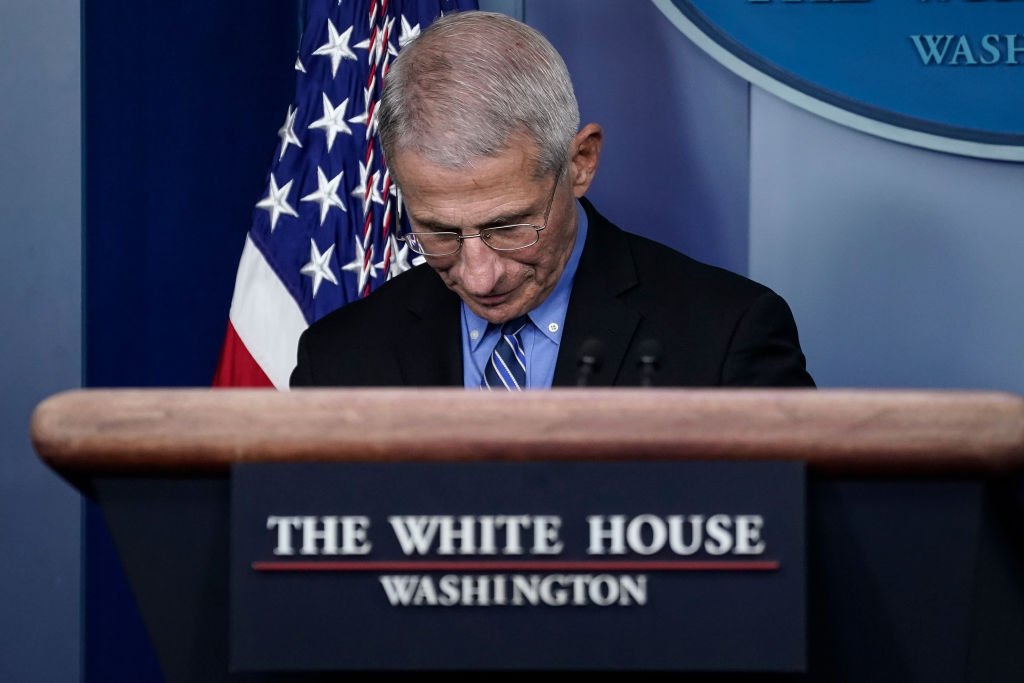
pixel 41 342
pixel 900 264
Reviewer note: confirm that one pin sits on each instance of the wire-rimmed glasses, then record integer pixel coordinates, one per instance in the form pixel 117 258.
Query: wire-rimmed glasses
pixel 498 238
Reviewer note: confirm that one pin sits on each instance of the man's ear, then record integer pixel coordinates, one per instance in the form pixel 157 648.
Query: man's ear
pixel 585 153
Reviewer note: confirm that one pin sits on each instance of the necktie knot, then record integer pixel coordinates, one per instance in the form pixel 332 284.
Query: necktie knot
pixel 506 368
pixel 514 327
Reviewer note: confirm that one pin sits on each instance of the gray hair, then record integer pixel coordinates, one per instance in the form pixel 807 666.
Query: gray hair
pixel 470 82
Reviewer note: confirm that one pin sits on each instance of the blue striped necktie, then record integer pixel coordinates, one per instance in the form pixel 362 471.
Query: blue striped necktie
pixel 506 368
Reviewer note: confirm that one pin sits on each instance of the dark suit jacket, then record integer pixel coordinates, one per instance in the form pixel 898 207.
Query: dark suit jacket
pixel 714 328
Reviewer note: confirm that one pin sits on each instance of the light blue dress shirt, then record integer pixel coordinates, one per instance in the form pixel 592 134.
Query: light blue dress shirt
pixel 540 339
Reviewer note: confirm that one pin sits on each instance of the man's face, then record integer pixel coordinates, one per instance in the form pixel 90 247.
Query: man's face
pixel 497 286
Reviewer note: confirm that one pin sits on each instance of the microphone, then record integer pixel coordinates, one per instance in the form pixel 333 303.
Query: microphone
pixel 648 358
pixel 588 360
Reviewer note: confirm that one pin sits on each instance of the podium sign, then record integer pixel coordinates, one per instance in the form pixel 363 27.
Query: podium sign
pixel 498 566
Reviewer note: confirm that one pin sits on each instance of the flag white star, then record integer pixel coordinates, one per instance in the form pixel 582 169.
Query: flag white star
pixel 333 120
pixel 361 119
pixel 356 265
pixel 287 132
pixel 399 258
pixel 319 266
pixel 364 44
pixel 276 202
pixel 336 47
pixel 375 49
pixel 326 193
pixel 367 194
pixel 408 34
pixel 299 65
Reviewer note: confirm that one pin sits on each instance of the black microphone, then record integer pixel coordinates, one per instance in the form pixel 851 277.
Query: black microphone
pixel 588 360
pixel 649 359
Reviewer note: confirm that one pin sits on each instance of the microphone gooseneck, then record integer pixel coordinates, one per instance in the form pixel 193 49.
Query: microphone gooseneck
pixel 588 360
pixel 649 359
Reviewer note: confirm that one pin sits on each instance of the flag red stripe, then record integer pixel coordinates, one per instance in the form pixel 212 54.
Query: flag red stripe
pixel 236 367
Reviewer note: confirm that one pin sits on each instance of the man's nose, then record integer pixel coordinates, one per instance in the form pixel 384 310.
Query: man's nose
pixel 478 267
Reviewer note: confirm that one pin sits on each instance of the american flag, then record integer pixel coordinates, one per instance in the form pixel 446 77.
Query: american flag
pixel 324 232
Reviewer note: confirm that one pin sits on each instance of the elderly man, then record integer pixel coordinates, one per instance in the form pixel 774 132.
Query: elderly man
pixel 526 285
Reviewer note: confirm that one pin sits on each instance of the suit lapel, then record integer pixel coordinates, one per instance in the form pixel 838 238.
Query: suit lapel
pixel 596 307
pixel 430 351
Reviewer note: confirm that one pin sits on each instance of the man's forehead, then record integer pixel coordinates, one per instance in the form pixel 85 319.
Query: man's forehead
pixel 431 183
pixel 519 153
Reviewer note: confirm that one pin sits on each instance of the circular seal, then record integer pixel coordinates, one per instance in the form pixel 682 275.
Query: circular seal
pixel 946 75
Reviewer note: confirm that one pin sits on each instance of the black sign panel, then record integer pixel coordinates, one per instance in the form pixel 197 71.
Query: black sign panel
pixel 689 566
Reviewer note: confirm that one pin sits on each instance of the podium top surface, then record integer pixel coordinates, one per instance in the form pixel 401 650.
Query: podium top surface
pixel 179 432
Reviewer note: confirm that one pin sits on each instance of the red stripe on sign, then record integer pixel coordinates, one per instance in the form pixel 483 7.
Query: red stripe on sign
pixel 437 566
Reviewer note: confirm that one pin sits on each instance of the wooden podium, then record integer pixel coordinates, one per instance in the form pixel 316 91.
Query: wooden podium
pixel 915 500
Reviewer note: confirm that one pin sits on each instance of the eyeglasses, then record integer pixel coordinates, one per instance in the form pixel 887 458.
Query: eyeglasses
pixel 498 238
